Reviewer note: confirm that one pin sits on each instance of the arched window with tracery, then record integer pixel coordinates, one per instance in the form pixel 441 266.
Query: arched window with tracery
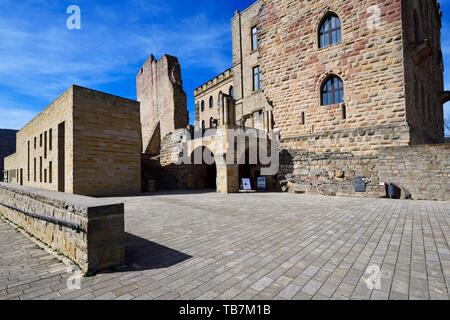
pixel 330 30
pixel 332 91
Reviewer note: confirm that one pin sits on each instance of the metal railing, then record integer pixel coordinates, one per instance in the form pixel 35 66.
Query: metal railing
pixel 58 222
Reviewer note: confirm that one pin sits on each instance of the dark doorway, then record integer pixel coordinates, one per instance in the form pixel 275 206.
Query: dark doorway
pixel 61 157
pixel 204 175
pixel 249 171
pixel 211 173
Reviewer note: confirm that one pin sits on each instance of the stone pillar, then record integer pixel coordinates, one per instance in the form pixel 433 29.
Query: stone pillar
pixel 225 111
pixel 266 121
pixel 270 120
pixel 227 176
pixel 231 111
pixel 221 115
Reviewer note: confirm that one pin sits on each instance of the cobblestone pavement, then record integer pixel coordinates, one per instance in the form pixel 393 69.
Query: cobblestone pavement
pixel 255 246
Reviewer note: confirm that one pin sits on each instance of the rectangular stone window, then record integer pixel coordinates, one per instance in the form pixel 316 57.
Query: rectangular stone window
pixel 40 169
pixel 61 157
pixel 257 85
pixel 28 162
pixel 45 145
pixel 40 140
pixel 255 43
pixel 35 169
pixel 50 139
pixel 45 175
pixel 50 172
pixel 303 119
pixel 344 112
pixel 35 143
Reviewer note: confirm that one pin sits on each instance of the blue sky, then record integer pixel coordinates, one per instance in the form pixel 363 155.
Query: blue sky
pixel 40 58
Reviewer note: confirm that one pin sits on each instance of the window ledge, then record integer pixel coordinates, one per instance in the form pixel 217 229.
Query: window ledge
pixel 334 105
pixel 330 46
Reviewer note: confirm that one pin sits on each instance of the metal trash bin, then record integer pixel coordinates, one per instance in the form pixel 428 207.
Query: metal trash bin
pixel 360 185
pixel 393 192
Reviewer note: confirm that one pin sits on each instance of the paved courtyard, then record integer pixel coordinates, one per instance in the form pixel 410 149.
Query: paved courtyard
pixel 255 246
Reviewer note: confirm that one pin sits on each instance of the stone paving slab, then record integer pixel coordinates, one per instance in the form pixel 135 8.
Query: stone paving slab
pixel 252 246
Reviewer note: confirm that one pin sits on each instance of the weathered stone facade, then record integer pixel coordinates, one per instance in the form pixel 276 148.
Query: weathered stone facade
pixel 424 71
pixel 370 62
pixel 422 172
pixel 160 91
pixel 86 142
pixel 389 60
pixel 380 69
pixel 207 99
pixel 252 108
pixel 7 147
pixel 94 240
pixel 329 174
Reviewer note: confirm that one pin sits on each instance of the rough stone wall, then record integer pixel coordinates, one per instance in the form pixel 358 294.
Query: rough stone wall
pixel 370 63
pixel 244 59
pixel 212 88
pixel 422 172
pixel 107 144
pixel 45 123
pixel 166 174
pixel 7 146
pixel 160 91
pixel 98 245
pixel 328 174
pixel 424 71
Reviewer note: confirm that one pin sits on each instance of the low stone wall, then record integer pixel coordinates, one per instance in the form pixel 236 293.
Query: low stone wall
pixel 88 231
pixel 422 172
pixel 328 174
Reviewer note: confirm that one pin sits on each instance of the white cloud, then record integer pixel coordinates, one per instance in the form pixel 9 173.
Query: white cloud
pixel 39 57
pixel 15 118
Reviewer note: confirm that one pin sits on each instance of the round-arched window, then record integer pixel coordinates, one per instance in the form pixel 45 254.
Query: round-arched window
pixel 330 31
pixel 332 91
pixel 231 92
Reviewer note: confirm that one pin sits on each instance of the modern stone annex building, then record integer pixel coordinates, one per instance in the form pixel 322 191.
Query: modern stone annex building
pixel 342 81
pixel 86 142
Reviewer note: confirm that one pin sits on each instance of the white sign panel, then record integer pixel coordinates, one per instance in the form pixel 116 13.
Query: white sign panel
pixel 246 184
pixel 261 182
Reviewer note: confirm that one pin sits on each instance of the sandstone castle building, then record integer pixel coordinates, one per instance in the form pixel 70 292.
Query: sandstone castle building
pixel 341 80
pixel 354 89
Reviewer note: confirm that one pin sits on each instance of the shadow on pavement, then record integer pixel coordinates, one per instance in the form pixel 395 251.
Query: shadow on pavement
pixel 142 254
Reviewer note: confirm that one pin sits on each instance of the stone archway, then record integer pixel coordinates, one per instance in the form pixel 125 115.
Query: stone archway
pixel 204 170
pixel 227 175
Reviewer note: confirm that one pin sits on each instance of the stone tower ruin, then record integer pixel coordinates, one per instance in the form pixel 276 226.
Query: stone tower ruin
pixel 163 101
